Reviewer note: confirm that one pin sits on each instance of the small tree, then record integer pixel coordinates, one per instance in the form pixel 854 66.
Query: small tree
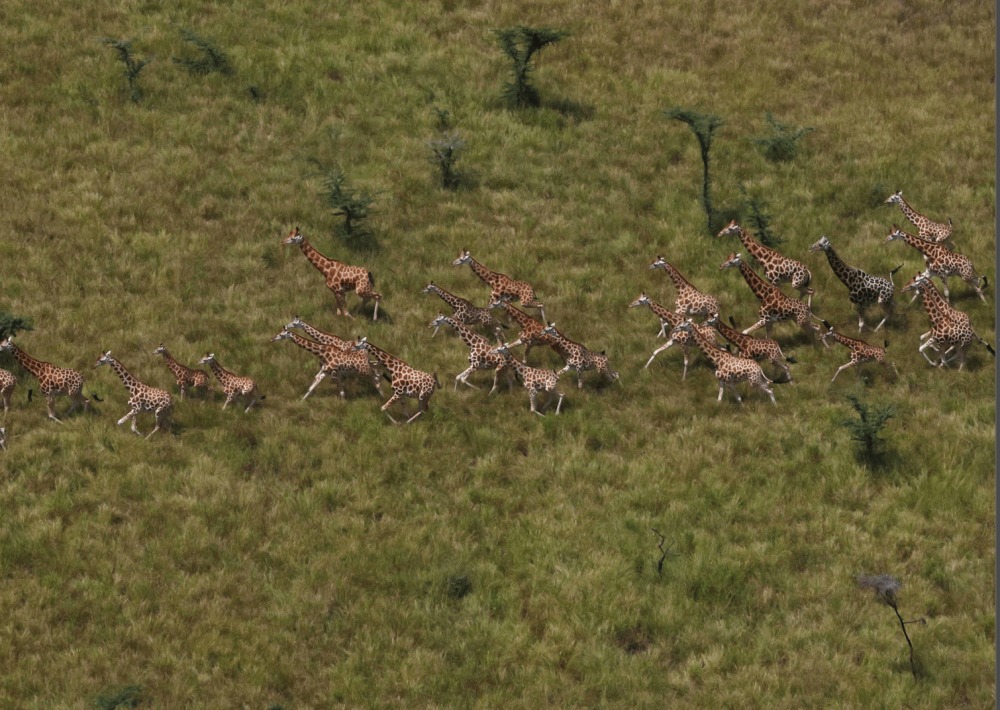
pixel 885 587
pixel 783 142
pixel 345 202
pixel 12 325
pixel 445 150
pixel 866 428
pixel 759 220
pixel 209 59
pixel 704 126
pixel 133 67
pixel 520 44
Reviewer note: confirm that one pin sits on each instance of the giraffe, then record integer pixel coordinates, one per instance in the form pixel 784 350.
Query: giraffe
pixel 667 317
pixel 340 277
pixel 7 382
pixel 186 376
pixel 319 336
pixel 531 330
pixel 481 356
pixel 52 381
pixel 232 385
pixel 406 381
pixel 774 305
pixel 942 262
pixel 501 285
pixel 682 338
pixel 142 397
pixel 926 229
pixel 578 357
pixel 754 348
pixel 333 360
pixel 690 301
pixel 863 289
pixel 464 312
pixel 729 369
pixel 778 268
pixel 534 379
pixel 861 351
pixel 949 326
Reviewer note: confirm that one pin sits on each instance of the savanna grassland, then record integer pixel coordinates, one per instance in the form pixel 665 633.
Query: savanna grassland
pixel 311 554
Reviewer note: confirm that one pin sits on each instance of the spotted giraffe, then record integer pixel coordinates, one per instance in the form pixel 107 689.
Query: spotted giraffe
pixel 340 277
pixel 950 328
pixel 668 321
pixel 333 360
pixel 578 357
pixel 232 385
pixel 481 354
pixel 534 379
pixel 690 301
pixel 186 376
pixel 861 351
pixel 684 339
pixel 501 286
pixel 531 330
pixel 754 348
pixel 942 262
pixel 934 303
pixel 774 305
pixel 778 268
pixel 406 381
pixel 320 336
pixel 729 369
pixel 52 381
pixel 927 229
pixel 7 383
pixel 863 289
pixel 464 312
pixel 142 397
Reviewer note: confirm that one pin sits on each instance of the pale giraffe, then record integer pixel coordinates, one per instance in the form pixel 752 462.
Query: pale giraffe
pixel 320 336
pixel 52 381
pixel 729 369
pixel 534 379
pixel 142 397
pixel 501 286
pixel 927 229
pixel 754 348
pixel 232 385
pixel 406 381
pixel 778 268
pixel 481 355
pixel 531 330
pixel 340 277
pixel 668 321
pixel 186 376
pixel 464 312
pixel 861 351
pixel 942 262
pixel 863 289
pixel 333 360
pixel 578 357
pixel 948 331
pixel 690 301
pixel 685 340
pixel 774 305
pixel 7 383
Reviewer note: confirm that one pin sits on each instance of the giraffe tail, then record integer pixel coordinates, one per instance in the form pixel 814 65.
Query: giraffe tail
pixel 95 397
pixel 893 273
pixel 791 359
pixel 371 279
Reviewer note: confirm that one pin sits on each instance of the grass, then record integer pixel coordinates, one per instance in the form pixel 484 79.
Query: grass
pixel 311 554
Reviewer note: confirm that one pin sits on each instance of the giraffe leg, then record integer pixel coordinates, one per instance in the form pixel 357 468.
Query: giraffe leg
pixel 532 395
pixel 463 378
pixel 316 380
pixel 50 405
pixel 133 414
pixel 757 325
pixel 842 368
pixel 123 419
pixel 559 403
pixel 253 400
pixel 388 404
pixel 660 350
pixel 378 299
pixel 496 374
pixel 930 342
pixel 229 398
pixel 183 389
pixel 722 389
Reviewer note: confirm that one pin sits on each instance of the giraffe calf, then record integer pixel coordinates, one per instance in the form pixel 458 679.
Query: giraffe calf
pixel 534 379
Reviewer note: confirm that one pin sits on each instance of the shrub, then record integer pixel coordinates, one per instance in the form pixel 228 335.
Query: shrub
pixel 865 430
pixel 520 44
pixel 783 142
pixel 209 58
pixel 346 202
pixel 133 67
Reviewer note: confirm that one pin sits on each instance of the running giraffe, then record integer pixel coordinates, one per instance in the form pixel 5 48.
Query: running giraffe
pixel 333 359
pixel 531 330
pixel 690 301
pixel 534 379
pixel 232 385
pixel 464 312
pixel 186 376
pixel 481 355
pixel 320 336
pixel 578 357
pixel 774 305
pixel 754 348
pixel 729 369
pixel 668 319
pixel 52 381
pixel 942 262
pixel 501 285
pixel 949 326
pixel 927 229
pixel 142 397
pixel 863 289
pixel 778 268
pixel 684 339
pixel 340 277
pixel 406 381
pixel 861 351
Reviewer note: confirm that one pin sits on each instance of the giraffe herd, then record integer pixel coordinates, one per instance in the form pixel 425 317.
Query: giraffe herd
pixel 950 335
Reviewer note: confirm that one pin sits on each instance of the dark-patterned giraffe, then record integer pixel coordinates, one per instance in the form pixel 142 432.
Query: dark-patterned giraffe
pixel 668 319
pixel 534 379
pixel 502 287
pixel 406 381
pixel 729 369
pixel 531 330
pixel 942 262
pixel 142 397
pixel 333 360
pixel 340 277
pixel 774 305
pixel 232 385
pixel 7 384
pixel 754 348
pixel 463 311
pixel 861 351
pixel 863 289
pixel 320 336
pixel 927 229
pixel 938 309
pixel 481 353
pixel 778 268
pixel 690 301
pixel 52 381
pixel 950 328
pixel 186 376
pixel 578 357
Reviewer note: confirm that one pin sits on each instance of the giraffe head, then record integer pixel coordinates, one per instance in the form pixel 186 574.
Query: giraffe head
pixel 7 344
pixel 207 359
pixel 685 326
pixel 731 228
pixel 294 237
pixel 295 323
pixel 896 233
pixel 733 261
pixel 896 198
pixel 502 349
pixel 712 320
pixel 918 282
pixel 429 288
pixel 659 263
pixel 104 359
pixel 643 300
pixel 822 245
pixel 827 333
pixel 436 324
pixel 285 334
pixel 160 350
pixel 551 331
pixel 464 258
pixel 361 343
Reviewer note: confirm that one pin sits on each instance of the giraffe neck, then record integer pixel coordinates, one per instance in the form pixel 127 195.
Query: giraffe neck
pixel 522 318
pixel 482 272
pixel 311 346
pixel 935 305
pixel 844 340
pixel 707 347
pixel 35 367
pixel 916 242
pixel 318 334
pixel 222 374
pixel 731 334
pixel 679 281
pixel 911 214
pixel 759 286
pixel 672 318
pixel 468 336
pixel 315 258
pixel 130 382
pixel 449 298
pixel 391 363
pixel 840 269
pixel 756 249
